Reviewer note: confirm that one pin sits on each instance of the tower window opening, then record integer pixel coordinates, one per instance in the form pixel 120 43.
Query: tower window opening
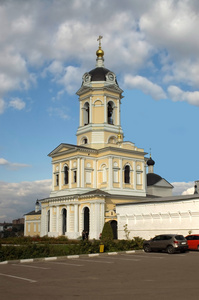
pixel 57 179
pixel 110 113
pixel 127 174
pixel 85 141
pixel 75 176
pixel 86 113
pixel 65 175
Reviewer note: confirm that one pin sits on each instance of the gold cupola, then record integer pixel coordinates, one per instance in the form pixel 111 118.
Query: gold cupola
pixel 100 54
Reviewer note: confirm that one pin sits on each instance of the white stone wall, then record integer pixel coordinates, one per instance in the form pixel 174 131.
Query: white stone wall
pixel 148 220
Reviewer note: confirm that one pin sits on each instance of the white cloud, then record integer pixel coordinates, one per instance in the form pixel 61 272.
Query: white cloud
pixel 183 188
pixel 17 199
pixel 17 103
pixel 12 166
pixel 142 83
pixel 71 79
pixel 59 39
pixel 176 94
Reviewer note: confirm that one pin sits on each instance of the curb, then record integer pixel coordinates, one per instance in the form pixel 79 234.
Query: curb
pixel 31 260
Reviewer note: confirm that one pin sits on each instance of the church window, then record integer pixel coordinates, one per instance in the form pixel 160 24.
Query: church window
pixel 112 140
pixel 74 176
pixel 127 174
pixel 65 175
pixel 64 221
pixel 86 113
pixel 110 111
pixel 57 179
pixel 85 141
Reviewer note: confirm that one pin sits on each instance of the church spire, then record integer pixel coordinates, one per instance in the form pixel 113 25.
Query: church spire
pixel 100 54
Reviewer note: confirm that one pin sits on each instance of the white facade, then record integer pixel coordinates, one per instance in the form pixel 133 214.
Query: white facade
pixel 178 214
pixel 52 218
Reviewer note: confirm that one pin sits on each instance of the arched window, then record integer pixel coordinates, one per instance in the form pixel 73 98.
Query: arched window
pixel 127 174
pixel 86 219
pixel 48 220
pixel 110 111
pixel 64 221
pixel 86 113
pixel 85 141
pixel 65 175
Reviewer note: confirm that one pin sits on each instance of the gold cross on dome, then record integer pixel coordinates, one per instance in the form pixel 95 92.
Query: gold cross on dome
pixel 99 39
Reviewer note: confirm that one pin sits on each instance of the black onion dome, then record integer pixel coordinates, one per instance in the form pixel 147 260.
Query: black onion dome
pixel 150 162
pixel 153 178
pixel 99 74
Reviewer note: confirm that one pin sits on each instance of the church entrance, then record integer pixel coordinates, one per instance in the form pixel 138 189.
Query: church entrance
pixel 64 220
pixel 86 219
pixel 114 228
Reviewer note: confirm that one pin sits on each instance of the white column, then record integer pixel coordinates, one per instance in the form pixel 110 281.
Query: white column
pixel 51 219
pixel 102 216
pixel 110 173
pixel 70 174
pixel 90 110
pixel 80 113
pixel 97 220
pixel 76 219
pixel 82 172
pixel 134 175
pixel 57 220
pixel 53 179
pixel 95 174
pixel 121 171
pixel 60 177
pixel 43 221
pixel 118 112
pixel 68 218
pixel 144 177
pixel 105 110
pixel 78 172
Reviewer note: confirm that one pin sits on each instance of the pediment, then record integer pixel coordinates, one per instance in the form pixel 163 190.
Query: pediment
pixel 62 148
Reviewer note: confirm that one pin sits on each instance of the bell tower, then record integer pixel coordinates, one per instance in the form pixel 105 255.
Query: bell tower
pixel 99 107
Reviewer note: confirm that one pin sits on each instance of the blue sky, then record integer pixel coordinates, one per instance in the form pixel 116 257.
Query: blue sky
pixel 46 47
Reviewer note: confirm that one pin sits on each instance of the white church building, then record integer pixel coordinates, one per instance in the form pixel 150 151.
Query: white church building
pixel 104 178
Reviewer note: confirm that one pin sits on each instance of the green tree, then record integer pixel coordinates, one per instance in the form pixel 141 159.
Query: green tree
pixel 107 232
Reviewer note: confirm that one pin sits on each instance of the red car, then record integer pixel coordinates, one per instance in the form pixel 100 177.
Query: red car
pixel 193 241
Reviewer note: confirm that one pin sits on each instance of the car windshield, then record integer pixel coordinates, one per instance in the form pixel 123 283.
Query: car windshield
pixel 179 237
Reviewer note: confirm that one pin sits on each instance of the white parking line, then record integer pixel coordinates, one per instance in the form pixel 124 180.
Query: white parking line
pixel 16 277
pixel 68 264
pixel 92 260
pixel 28 266
pixel 144 256
pixel 119 258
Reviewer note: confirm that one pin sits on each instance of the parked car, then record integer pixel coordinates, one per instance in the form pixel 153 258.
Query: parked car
pixel 193 241
pixel 166 242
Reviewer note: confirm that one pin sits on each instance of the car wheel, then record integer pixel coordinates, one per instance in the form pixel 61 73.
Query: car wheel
pixel 170 249
pixel 198 248
pixel 147 248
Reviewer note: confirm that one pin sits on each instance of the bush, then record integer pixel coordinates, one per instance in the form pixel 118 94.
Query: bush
pixel 107 233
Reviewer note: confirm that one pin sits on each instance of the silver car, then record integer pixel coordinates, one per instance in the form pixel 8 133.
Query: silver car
pixel 166 242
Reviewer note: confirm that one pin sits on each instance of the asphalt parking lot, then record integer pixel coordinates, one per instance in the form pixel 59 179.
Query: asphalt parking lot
pixel 135 276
